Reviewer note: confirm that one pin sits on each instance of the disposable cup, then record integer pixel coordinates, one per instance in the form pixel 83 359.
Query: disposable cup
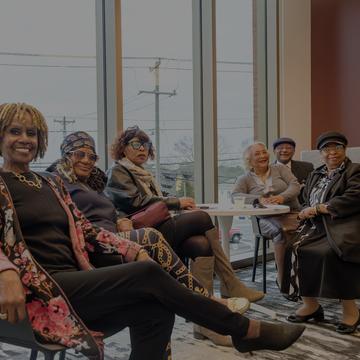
pixel 239 202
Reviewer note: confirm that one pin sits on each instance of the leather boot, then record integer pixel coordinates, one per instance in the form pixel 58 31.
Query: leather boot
pixel 203 270
pixel 202 333
pixel 230 285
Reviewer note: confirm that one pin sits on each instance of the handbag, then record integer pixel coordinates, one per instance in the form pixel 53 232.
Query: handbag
pixel 151 216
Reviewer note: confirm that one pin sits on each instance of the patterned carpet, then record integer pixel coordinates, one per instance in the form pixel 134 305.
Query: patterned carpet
pixel 318 342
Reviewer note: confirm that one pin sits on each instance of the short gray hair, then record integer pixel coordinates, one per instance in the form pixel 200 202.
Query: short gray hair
pixel 247 153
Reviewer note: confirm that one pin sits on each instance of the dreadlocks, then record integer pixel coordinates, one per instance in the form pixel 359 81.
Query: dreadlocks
pixel 17 111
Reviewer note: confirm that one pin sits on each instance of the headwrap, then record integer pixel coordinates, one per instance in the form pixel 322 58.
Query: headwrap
pixel 76 141
pixel 79 139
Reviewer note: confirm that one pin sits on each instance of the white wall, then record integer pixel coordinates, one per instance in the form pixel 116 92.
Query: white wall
pixel 295 72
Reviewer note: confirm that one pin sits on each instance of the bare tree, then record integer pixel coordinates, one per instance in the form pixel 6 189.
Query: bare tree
pixel 184 148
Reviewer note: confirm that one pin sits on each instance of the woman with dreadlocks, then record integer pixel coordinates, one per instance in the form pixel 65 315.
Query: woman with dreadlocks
pixel 45 269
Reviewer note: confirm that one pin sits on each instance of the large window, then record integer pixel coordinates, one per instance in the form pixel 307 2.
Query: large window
pixel 48 59
pixel 157 83
pixel 235 72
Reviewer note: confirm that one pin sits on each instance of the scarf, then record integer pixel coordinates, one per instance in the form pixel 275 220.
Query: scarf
pixel 144 177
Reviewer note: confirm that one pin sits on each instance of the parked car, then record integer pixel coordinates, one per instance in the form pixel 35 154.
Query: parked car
pixel 235 235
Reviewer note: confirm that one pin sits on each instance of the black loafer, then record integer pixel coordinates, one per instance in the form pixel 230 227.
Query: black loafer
pixel 348 329
pixel 317 315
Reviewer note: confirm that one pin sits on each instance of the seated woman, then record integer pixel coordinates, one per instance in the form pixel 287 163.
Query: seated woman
pixel 85 183
pixel 270 184
pixel 327 253
pixel 45 271
pixel 130 187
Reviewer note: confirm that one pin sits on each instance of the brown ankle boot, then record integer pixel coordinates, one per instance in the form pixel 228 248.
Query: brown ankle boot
pixel 203 270
pixel 231 286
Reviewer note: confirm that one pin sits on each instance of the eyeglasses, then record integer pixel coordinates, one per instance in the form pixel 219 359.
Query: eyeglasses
pixel 136 145
pixel 328 149
pixel 79 155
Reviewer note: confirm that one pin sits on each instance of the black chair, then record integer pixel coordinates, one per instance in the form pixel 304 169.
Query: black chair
pixel 21 334
pixel 265 244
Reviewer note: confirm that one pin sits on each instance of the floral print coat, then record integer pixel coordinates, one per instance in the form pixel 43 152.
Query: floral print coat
pixel 49 311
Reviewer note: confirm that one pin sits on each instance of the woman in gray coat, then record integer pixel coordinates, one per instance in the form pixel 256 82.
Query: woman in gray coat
pixel 270 184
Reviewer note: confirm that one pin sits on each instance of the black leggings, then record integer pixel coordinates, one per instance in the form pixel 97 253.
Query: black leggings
pixel 144 297
pixel 186 234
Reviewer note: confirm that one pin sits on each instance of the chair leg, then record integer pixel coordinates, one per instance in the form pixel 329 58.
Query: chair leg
pixel 49 355
pixel 62 355
pixel 255 259
pixel 33 355
pixel 264 263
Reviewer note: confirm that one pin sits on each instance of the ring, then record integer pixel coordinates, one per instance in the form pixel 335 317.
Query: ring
pixel 3 316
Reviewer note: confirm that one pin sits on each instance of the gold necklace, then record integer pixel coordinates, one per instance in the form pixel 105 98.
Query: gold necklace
pixel 37 183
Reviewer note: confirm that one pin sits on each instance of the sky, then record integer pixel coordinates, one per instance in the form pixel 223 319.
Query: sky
pixel 63 83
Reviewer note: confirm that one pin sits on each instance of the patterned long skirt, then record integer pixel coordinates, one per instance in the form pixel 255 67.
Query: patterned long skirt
pixel 316 269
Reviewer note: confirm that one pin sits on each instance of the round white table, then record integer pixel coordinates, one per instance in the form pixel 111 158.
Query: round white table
pixel 225 216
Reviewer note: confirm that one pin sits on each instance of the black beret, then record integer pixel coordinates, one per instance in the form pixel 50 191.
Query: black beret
pixel 330 137
pixel 283 140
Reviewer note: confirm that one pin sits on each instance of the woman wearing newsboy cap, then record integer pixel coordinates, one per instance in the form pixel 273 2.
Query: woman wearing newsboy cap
pixel 327 253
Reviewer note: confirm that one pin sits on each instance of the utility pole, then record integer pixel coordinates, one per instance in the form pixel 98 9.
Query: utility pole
pixel 157 94
pixel 64 123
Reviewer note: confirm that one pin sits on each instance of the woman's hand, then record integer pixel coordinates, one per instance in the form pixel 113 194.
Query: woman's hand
pixel 307 213
pixel 124 225
pixel 12 296
pixel 276 199
pixel 187 203
pixel 272 200
pixel 143 256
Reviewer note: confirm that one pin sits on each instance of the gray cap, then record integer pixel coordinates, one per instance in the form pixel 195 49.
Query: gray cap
pixel 283 140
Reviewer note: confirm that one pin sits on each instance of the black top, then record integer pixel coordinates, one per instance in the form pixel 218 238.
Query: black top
pixel 96 207
pixel 44 224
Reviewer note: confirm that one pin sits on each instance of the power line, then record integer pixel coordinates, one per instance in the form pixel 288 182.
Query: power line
pixel 191 120
pixel 51 66
pixel 7 53
pixel 124 67
pixel 229 62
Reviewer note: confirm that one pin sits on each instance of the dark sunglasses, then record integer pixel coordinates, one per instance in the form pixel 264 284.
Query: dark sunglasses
pixel 79 155
pixel 136 145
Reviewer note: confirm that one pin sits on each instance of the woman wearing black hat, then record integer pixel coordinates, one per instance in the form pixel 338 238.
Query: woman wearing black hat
pixel 327 255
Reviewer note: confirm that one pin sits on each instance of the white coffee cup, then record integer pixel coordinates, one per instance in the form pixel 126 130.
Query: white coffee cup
pixel 239 201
